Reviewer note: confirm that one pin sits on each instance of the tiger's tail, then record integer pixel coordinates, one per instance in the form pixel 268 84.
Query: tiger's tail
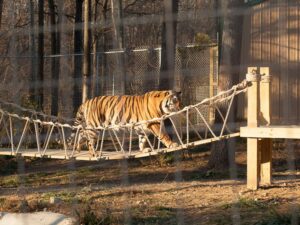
pixel 71 134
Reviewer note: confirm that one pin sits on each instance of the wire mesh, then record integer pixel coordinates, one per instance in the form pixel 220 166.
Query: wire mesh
pixel 170 188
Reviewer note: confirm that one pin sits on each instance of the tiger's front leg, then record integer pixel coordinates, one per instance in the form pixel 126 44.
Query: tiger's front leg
pixel 162 135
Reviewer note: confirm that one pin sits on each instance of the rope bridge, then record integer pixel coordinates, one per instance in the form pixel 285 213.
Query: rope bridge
pixel 27 132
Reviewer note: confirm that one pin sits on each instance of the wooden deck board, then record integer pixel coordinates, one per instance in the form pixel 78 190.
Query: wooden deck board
pixel 106 155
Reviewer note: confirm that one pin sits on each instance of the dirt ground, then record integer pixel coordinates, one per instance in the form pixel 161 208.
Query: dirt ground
pixel 167 189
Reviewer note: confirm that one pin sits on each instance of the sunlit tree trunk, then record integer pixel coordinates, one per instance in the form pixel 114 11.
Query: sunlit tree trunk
pixel 168 45
pixel 86 51
pixel 222 152
pixel 40 58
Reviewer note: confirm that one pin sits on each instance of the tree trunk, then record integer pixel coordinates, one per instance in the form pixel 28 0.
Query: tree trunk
pixel 1 10
pixel 95 77
pixel 40 59
pixel 86 51
pixel 55 49
pixel 33 75
pixel 118 43
pixel 229 71
pixel 103 48
pixel 77 58
pixel 168 45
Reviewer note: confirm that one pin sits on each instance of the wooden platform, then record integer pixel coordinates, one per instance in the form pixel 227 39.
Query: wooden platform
pixel 289 132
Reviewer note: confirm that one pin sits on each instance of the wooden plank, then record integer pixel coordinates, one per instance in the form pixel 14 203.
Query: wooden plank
pixel 275 60
pixel 293 62
pixel 265 33
pixel 298 59
pixel 288 132
pixel 110 155
pixel 284 75
pixel 256 35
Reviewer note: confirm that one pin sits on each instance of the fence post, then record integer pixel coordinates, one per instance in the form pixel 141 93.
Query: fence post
pixel 265 120
pixel 253 160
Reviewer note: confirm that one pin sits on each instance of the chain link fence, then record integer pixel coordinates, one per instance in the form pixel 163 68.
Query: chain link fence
pixel 130 72
pixel 196 72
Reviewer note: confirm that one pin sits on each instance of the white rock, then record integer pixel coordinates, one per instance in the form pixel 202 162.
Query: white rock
pixel 37 218
pixel 54 200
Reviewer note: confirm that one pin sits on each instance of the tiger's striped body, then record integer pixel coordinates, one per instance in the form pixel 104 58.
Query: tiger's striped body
pixel 113 110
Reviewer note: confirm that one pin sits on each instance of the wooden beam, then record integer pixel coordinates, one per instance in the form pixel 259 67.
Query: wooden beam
pixel 288 132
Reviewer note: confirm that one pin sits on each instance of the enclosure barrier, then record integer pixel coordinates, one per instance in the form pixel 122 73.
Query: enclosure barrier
pixel 259 130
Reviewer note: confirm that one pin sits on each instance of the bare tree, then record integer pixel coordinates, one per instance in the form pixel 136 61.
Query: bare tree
pixel 40 58
pixel 228 73
pixel 1 10
pixel 86 51
pixel 77 50
pixel 32 47
pixel 168 45
pixel 55 49
pixel 104 45
pixel 95 78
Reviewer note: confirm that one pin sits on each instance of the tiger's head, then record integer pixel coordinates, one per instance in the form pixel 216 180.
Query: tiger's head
pixel 167 101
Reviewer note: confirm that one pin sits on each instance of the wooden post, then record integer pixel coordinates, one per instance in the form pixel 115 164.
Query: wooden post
pixel 265 119
pixel 252 143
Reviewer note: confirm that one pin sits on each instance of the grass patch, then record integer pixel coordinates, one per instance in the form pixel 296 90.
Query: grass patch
pixel 88 217
pixel 210 174
pixel 8 164
pixel 2 201
pixel 277 218
pixel 157 215
pixel 65 196
pixel 12 181
pixel 253 212
pixel 245 203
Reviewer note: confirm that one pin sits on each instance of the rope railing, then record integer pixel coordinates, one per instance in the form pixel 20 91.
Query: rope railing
pixel 185 131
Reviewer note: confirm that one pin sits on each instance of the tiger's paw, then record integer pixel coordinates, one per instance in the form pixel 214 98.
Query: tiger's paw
pixel 145 150
pixel 174 145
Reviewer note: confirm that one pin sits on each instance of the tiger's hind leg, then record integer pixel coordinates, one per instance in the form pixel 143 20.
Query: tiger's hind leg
pixel 143 143
pixel 93 138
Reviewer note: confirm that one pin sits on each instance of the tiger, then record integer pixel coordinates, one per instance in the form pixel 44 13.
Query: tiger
pixel 113 110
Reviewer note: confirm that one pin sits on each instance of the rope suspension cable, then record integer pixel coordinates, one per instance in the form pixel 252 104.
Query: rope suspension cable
pixel 52 122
